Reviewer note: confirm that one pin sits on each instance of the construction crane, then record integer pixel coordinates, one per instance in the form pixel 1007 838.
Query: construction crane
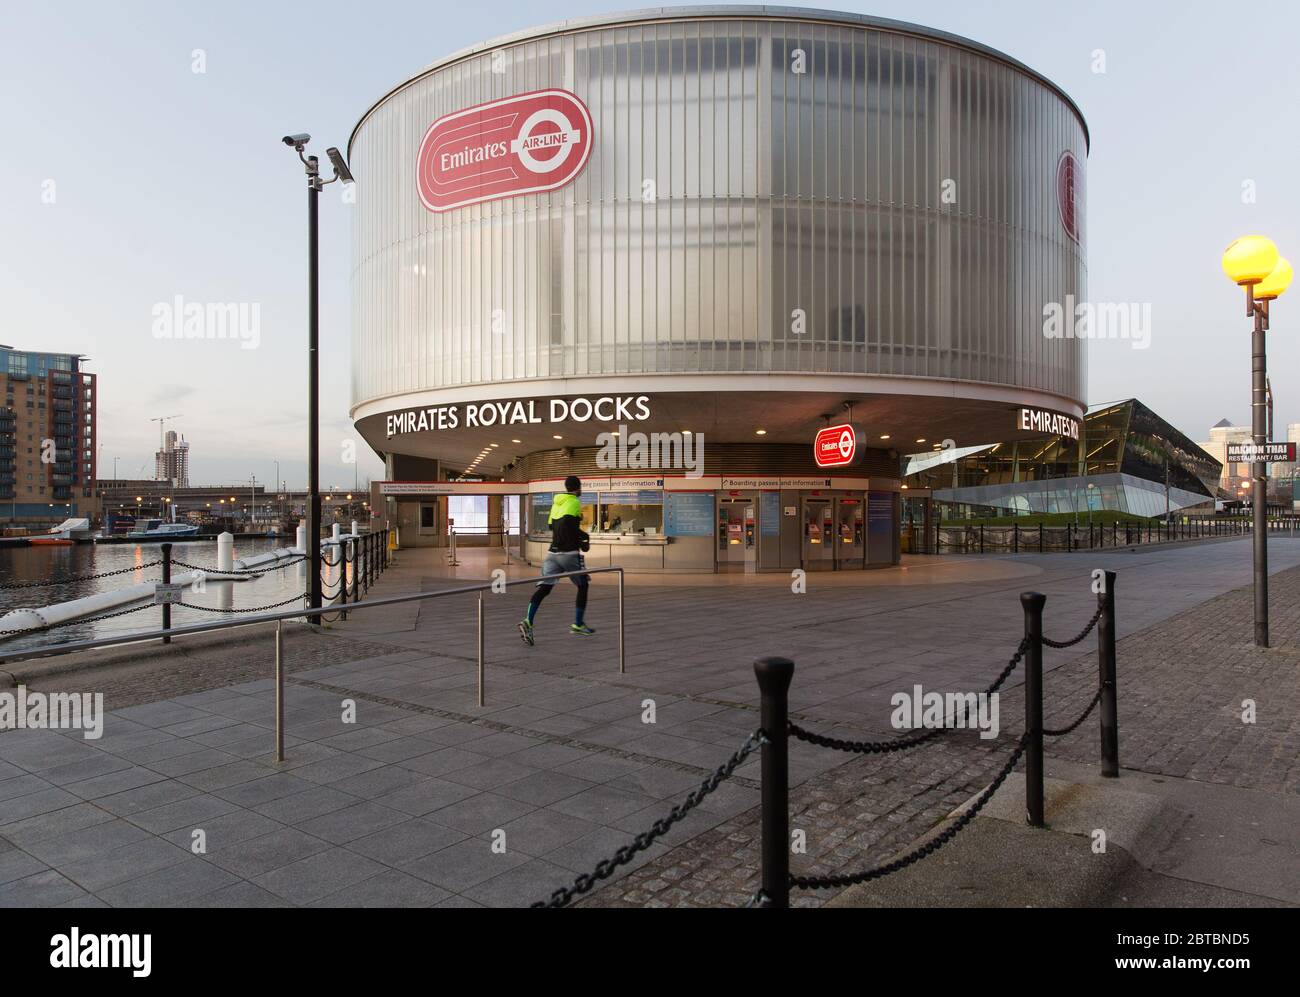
pixel 162 425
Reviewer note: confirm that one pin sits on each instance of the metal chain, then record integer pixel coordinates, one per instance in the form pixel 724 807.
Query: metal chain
pixel 254 609
pixel 1086 630
pixel 1065 730
pixel 866 747
pixel 605 868
pixel 910 740
pixel 251 572
pixel 1021 648
pixel 79 578
pixel 922 851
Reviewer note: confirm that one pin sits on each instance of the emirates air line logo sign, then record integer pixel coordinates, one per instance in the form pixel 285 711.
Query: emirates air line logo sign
pixel 1067 194
pixel 520 145
pixel 835 446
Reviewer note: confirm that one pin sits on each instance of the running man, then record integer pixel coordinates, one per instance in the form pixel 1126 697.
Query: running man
pixel 567 544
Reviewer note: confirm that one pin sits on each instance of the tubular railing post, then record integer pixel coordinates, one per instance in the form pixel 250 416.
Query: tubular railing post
pixel 622 658
pixel 480 649
pixel 343 578
pixel 1015 538
pixel 981 538
pixel 1033 603
pixel 774 675
pixel 356 582
pixel 1106 676
pixel 166 577
pixel 279 690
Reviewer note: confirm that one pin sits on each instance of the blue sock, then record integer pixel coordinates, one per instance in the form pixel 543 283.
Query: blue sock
pixel 532 611
pixel 577 616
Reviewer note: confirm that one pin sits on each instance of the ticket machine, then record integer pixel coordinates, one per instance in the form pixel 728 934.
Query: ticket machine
pixel 737 533
pixel 851 532
pixel 818 533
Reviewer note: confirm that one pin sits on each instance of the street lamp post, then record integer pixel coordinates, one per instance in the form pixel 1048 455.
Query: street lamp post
pixel 314 186
pixel 1252 262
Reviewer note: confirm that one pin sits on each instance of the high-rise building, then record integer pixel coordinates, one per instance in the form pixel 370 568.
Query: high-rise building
pixel 47 436
pixel 1221 434
pixel 172 462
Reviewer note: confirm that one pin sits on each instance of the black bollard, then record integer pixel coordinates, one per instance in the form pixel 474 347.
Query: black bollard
pixel 1106 676
pixel 1033 603
pixel 774 675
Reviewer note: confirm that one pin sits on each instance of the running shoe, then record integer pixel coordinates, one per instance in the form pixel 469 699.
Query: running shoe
pixel 581 629
pixel 526 632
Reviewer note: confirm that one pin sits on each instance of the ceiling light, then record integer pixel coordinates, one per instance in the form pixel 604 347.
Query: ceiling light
pixel 921 439
pixel 557 436
pixel 760 432
pixel 884 436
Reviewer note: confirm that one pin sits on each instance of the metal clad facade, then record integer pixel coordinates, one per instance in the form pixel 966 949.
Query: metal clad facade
pixel 728 198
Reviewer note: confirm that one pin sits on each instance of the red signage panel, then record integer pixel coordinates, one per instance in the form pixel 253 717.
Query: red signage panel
pixel 835 446
pixel 524 144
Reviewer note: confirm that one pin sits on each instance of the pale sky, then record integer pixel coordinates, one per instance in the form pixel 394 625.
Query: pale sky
pixel 169 182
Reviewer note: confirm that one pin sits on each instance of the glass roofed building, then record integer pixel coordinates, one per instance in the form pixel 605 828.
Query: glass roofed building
pixel 1127 459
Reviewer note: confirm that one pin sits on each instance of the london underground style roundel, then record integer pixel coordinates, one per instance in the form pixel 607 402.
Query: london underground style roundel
pixel 1067 194
pixel 835 446
pixel 524 144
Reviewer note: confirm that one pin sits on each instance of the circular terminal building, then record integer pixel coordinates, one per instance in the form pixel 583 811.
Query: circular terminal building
pixel 727 264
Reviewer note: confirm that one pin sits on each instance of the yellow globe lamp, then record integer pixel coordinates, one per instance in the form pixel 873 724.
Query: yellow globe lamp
pixel 1250 259
pixel 1276 282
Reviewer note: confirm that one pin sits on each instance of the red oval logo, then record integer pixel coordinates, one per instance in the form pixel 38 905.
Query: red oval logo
pixel 524 144
pixel 1067 198
pixel 835 446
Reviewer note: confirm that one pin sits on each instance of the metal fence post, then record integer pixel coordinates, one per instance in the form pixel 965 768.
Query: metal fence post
pixel 480 646
pixel 279 690
pixel 343 577
pixel 1106 676
pixel 622 659
pixel 356 581
pixel 1015 538
pixel 774 675
pixel 167 577
pixel 981 538
pixel 1033 603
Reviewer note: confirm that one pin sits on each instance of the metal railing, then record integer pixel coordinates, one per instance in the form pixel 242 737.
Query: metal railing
pixel 980 538
pixel 504 533
pixel 279 618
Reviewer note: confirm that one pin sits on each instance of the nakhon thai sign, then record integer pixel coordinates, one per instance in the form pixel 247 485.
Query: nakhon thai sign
pixel 524 144
pixel 1261 453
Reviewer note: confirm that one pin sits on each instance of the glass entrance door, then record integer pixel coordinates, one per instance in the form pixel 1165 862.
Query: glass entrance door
pixel 737 533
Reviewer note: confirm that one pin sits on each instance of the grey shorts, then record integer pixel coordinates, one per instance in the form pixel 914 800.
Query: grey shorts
pixel 560 561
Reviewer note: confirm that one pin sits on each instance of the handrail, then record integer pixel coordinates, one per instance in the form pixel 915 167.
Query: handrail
pixel 136 637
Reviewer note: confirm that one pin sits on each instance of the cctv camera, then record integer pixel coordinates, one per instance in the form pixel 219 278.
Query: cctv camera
pixel 340 164
pixel 298 141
